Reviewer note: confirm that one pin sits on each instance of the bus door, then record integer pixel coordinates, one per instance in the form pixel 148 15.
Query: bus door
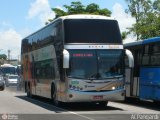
pixel 129 64
pixel 128 77
pixel 136 73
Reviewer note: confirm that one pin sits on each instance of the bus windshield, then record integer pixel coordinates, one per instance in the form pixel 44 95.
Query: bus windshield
pixel 91 31
pixel 95 64
pixel 8 70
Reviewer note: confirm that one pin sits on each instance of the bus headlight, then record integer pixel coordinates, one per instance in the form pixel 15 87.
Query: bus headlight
pixel 113 88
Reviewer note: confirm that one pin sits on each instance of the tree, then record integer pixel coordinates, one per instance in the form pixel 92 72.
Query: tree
pixel 59 12
pixel 75 8
pixel 124 35
pixel 78 8
pixel 92 8
pixel 138 9
pixel 149 27
pixel 3 56
pixel 156 5
pixel 147 18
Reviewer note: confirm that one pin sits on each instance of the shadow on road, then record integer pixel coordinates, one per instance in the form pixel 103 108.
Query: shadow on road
pixel 143 104
pixel 40 101
pixel 89 107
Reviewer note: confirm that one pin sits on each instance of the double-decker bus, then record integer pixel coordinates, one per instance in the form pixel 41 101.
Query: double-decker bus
pixel 144 83
pixel 76 58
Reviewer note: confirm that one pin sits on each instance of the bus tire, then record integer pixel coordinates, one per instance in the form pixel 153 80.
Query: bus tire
pixel 156 102
pixel 28 89
pixel 54 96
pixel 1 88
pixel 103 103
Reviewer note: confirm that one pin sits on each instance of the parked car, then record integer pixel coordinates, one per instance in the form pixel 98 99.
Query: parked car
pixel 12 80
pixel 1 83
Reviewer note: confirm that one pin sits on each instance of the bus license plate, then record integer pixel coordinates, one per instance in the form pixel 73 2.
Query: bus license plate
pixel 99 97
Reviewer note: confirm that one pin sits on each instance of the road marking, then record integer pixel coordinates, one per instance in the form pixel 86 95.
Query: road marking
pixel 80 115
pixel 62 109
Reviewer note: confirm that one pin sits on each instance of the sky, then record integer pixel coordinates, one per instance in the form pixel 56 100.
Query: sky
pixel 19 18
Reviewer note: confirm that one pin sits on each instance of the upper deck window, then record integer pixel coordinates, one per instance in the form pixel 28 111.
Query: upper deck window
pixel 91 31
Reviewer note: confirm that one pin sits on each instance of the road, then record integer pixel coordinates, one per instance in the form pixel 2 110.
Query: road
pixel 17 106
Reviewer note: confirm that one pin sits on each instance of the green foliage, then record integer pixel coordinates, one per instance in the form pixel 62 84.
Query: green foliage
pixel 156 5
pixel 147 15
pixel 78 8
pixel 3 56
pixel 149 26
pixel 104 12
pixel 124 35
pixel 74 8
pixel 92 8
pixel 59 12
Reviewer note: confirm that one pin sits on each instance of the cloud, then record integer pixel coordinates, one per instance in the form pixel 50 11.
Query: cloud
pixel 125 20
pixel 25 32
pixel 59 7
pixel 10 40
pixel 130 38
pixel 42 10
pixel 5 25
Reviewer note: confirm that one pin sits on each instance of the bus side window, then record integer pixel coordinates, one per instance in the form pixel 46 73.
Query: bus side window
pixel 155 54
pixel 145 55
pixel 45 69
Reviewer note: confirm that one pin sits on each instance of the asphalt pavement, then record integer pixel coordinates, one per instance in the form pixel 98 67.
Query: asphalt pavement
pixel 14 105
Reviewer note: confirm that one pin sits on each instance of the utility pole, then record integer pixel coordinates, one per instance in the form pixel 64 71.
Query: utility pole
pixel 18 59
pixel 9 52
pixel 1 59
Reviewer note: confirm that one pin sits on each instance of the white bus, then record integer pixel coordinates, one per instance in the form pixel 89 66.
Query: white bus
pixel 76 58
pixel 8 69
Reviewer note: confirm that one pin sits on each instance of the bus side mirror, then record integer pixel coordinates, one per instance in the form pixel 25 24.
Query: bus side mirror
pixel 130 58
pixel 65 59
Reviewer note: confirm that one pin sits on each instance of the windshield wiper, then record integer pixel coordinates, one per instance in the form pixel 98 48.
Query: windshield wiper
pixel 94 76
pixel 75 77
pixel 117 76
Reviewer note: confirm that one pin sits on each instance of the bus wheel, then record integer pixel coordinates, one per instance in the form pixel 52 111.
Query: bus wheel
pixel 54 97
pixel 103 104
pixel 55 101
pixel 1 89
pixel 156 102
pixel 29 93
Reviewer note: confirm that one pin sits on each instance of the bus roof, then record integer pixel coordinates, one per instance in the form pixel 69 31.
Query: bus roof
pixel 86 16
pixel 151 40
pixel 145 41
pixel 133 44
pixel 77 16
pixel 7 65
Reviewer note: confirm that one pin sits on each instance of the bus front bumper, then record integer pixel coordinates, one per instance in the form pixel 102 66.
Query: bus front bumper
pixel 78 96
